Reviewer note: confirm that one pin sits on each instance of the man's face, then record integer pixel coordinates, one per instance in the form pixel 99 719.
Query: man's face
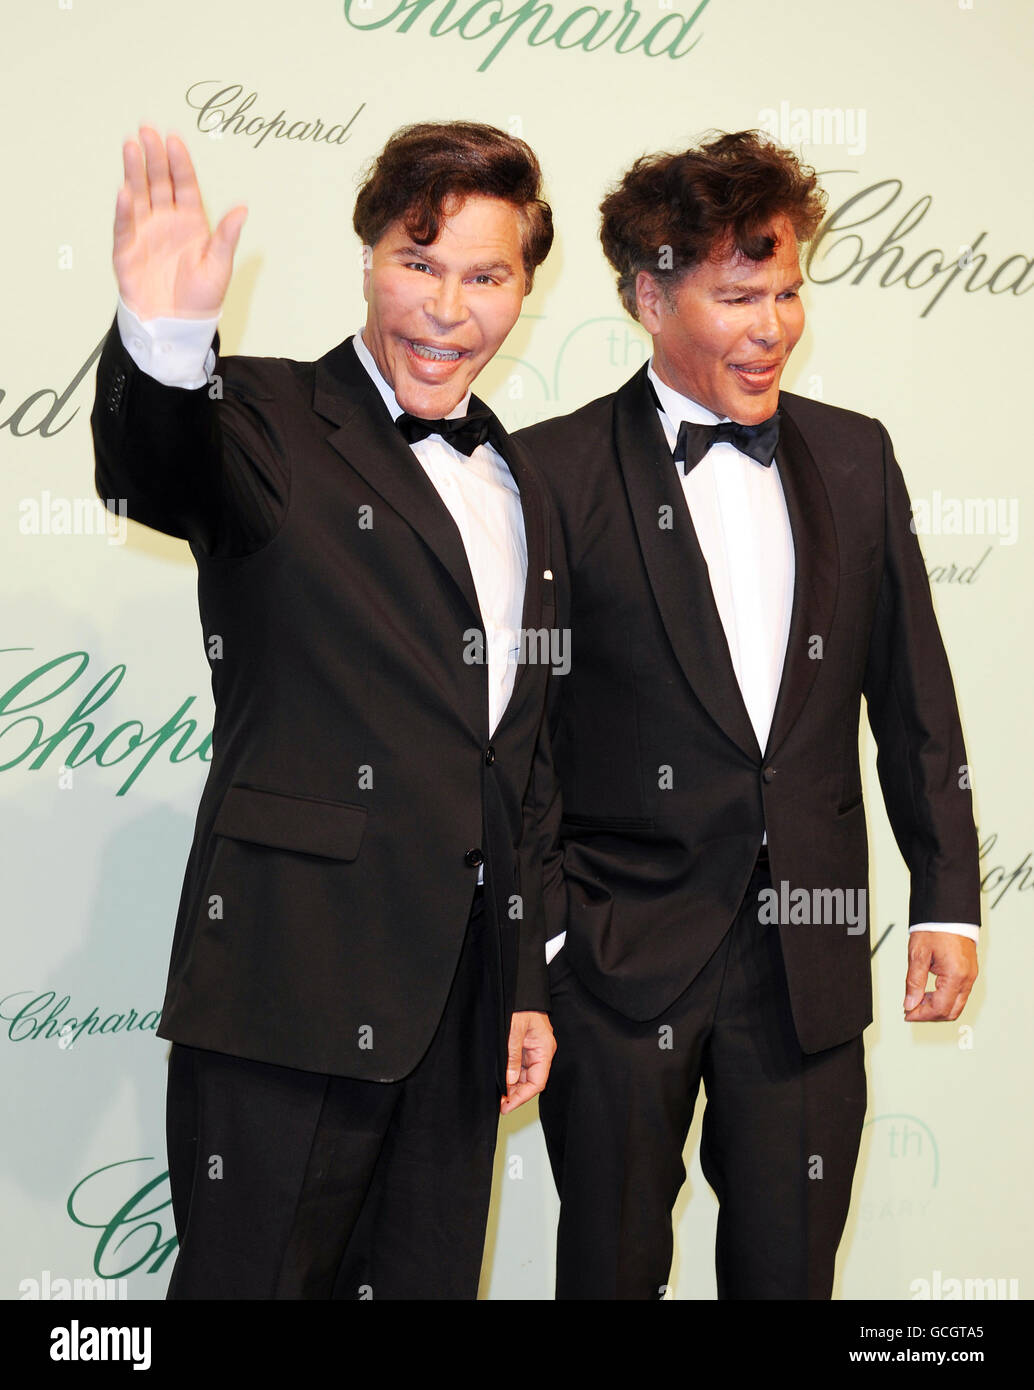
pixel 436 314
pixel 733 325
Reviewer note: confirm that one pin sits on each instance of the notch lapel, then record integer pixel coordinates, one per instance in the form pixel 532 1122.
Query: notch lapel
pixel 675 563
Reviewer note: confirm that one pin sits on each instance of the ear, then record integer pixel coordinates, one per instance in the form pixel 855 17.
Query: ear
pixel 367 266
pixel 650 301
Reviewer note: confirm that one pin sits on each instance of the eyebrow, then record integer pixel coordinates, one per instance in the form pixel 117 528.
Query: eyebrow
pixel 745 287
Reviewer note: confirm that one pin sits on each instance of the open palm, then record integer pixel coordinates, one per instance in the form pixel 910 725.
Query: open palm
pixel 167 262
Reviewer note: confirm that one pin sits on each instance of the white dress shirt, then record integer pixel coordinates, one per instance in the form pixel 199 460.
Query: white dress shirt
pixel 741 523
pixel 485 504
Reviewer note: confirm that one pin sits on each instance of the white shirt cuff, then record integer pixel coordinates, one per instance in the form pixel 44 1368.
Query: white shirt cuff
pixel 175 352
pixel 957 928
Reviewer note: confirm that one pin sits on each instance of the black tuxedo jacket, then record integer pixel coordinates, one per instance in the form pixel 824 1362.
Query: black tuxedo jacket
pixel 354 788
pixel 665 793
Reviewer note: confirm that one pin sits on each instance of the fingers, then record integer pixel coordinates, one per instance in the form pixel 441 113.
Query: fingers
pixel 185 188
pixel 522 1092
pixel 917 1001
pixel 936 1008
pixel 529 1081
pixel 162 176
pixel 227 234
pixel 159 176
pixel 159 180
pixel 943 1004
pixel 953 962
pixel 514 1059
pixel 164 257
pixel 146 170
pixel 136 178
pixel 125 222
pixel 920 961
pixel 529 1055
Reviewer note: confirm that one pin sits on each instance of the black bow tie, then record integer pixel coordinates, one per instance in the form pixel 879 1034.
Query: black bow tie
pixel 756 441
pixel 465 433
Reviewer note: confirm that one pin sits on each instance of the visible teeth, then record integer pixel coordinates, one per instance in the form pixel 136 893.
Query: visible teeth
pixel 435 354
pixel 755 370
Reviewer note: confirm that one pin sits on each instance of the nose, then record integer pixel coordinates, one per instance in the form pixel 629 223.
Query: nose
pixel 767 328
pixel 446 304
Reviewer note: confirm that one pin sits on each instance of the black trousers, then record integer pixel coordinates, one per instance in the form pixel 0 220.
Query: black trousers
pixel 291 1185
pixel 780 1132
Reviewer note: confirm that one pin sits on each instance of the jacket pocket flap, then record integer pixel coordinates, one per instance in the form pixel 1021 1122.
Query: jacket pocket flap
pixel 304 824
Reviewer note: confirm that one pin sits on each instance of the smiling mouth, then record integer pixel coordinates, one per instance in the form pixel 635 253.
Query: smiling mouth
pixel 757 376
pixel 434 354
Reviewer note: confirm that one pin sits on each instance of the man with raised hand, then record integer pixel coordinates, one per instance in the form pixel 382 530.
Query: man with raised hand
pixel 742 571
pixel 357 969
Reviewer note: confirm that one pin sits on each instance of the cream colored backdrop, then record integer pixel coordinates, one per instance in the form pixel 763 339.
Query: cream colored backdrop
pixel 917 313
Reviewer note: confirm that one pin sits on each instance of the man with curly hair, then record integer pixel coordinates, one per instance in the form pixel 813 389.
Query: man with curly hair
pixel 742 572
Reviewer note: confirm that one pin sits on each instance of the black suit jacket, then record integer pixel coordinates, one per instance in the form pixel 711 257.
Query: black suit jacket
pixel 650 875
pixel 354 786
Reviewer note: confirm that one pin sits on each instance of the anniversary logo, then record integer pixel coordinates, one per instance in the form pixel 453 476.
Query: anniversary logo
pixel 73 740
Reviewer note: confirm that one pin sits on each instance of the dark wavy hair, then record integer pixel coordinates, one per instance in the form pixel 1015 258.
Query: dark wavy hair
pixel 672 211
pixel 424 167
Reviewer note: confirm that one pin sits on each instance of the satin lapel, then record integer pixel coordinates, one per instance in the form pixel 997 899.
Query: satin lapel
pixel 675 564
pixel 816 575
pixel 535 538
pixel 368 440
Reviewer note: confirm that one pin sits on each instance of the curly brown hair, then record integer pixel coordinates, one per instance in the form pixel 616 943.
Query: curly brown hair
pixel 672 211
pixel 427 166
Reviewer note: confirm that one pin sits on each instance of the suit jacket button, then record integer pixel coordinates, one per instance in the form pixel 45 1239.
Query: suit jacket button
pixel 769 774
pixel 474 858
pixel 489 755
